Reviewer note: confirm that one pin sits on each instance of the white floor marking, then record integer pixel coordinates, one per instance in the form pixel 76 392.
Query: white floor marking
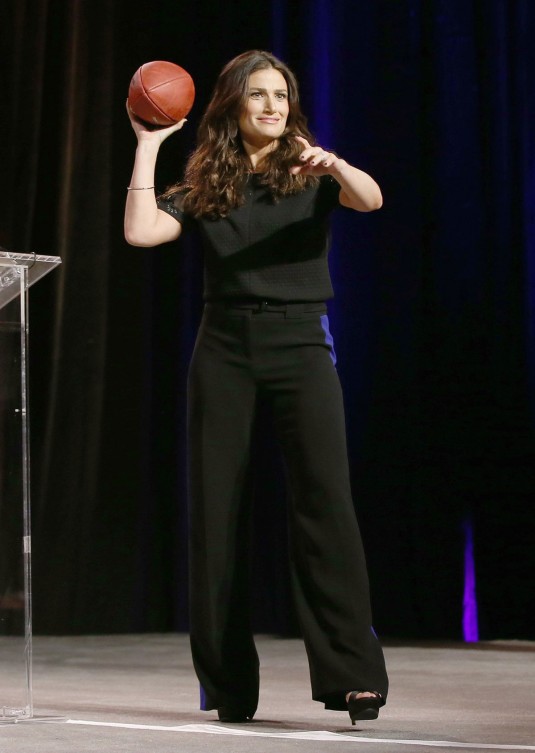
pixel 332 737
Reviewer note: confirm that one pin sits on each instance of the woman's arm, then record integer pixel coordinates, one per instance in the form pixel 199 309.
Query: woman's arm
pixel 358 189
pixel 144 223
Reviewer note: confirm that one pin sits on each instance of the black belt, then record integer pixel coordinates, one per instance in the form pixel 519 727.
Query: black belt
pixel 258 305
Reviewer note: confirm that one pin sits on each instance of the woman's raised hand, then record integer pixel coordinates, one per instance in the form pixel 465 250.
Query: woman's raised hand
pixel 314 160
pixel 144 132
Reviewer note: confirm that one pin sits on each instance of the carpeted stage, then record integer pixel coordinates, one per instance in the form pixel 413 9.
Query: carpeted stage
pixel 139 694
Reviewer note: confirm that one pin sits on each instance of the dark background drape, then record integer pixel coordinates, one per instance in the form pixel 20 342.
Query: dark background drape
pixel 433 315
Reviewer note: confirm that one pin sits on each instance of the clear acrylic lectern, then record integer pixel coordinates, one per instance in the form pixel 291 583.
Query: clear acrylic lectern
pixel 17 273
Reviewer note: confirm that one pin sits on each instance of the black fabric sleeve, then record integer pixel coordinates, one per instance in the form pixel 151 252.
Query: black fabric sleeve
pixel 175 207
pixel 329 192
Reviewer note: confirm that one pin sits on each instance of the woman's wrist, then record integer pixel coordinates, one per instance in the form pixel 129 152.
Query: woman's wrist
pixel 148 147
pixel 338 167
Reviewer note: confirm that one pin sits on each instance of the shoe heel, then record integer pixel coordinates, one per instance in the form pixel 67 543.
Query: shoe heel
pixel 365 708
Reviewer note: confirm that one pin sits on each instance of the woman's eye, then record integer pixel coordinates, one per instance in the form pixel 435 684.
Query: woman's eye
pixel 256 95
pixel 281 95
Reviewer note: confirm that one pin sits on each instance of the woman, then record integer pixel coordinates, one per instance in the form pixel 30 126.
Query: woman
pixel 261 191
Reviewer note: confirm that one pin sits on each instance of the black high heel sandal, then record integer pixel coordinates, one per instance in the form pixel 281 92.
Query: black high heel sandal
pixel 234 715
pixel 365 707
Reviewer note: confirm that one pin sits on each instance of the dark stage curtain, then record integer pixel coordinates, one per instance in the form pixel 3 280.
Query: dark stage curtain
pixel 433 316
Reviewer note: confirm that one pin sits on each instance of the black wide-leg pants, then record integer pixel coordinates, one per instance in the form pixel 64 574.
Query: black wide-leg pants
pixel 287 358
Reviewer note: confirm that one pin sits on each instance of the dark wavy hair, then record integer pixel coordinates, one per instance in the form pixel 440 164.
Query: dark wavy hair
pixel 216 171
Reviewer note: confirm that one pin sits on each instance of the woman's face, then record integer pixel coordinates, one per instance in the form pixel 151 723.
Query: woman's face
pixel 264 116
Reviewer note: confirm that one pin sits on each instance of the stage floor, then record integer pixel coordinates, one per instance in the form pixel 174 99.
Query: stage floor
pixel 138 693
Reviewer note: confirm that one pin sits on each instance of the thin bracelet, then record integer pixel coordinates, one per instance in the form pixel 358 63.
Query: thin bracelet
pixel 142 188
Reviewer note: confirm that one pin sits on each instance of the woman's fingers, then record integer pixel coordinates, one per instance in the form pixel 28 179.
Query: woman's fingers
pixel 303 141
pixel 319 156
pixel 313 159
pixel 309 151
pixel 314 155
pixel 327 159
pixel 145 131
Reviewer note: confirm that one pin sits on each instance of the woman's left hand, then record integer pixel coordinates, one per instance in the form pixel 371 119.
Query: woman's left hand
pixel 314 159
pixel 358 190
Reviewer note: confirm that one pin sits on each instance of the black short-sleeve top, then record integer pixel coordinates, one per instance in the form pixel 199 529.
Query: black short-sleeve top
pixel 266 249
